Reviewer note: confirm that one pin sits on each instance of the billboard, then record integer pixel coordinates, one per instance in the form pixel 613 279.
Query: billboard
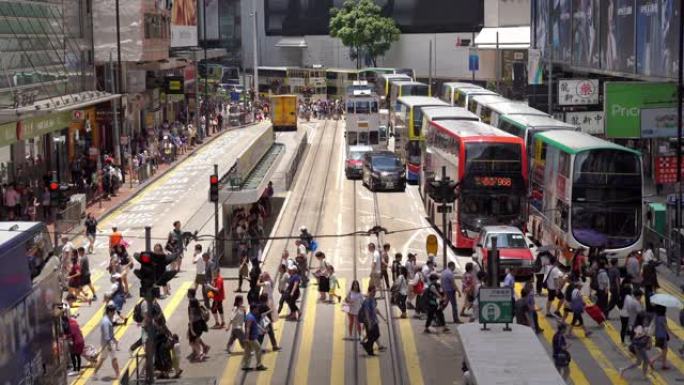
pixel 625 101
pixel 585 32
pixel 312 17
pixel 183 23
pixel 617 35
pixel 540 9
pixel 656 42
pixel 212 7
pixel 561 30
pixel 578 92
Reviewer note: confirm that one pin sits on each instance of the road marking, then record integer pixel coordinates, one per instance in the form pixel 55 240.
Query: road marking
pixel 338 354
pixel 411 357
pixel 233 366
pixel 169 308
pixel 94 278
pixel 269 359
pixel 306 340
pixel 373 375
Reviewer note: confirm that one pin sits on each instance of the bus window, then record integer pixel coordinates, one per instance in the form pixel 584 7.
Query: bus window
pixel 363 138
pixel 362 107
pixel 486 114
pixel 350 107
pixel 352 138
pixel 493 157
pixel 417 120
pixel 374 138
pixel 374 107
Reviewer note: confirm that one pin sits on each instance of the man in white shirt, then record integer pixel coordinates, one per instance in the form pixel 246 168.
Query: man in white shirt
pixel 376 266
pixel 553 286
pixel 648 254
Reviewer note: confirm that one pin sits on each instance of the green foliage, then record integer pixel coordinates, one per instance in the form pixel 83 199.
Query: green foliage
pixel 363 29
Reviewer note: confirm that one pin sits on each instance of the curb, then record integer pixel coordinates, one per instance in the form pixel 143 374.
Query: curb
pixel 141 187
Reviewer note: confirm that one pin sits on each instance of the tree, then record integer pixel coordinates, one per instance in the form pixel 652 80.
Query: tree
pixel 362 28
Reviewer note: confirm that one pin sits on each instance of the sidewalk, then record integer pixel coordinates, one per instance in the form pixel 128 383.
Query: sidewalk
pixel 102 208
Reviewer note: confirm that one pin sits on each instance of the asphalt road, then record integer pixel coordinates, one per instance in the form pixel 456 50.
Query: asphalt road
pixel 314 350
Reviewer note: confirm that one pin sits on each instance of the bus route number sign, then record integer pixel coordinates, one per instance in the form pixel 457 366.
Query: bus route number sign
pixel 493 181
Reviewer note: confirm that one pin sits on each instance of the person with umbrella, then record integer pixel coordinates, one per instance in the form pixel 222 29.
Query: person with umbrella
pixel 660 303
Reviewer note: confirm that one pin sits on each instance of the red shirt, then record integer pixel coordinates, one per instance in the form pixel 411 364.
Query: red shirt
pixel 219 294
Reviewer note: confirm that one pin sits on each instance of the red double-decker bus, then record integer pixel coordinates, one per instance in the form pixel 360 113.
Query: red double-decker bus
pixel 490 166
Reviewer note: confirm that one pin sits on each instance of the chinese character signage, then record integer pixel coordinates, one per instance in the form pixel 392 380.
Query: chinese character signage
pixel 590 122
pixel 578 92
pixel 666 169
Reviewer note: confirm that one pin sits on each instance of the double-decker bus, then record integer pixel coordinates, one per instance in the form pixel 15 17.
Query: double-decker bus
pixel 399 88
pixel 371 74
pixel 490 167
pixel 382 86
pixel 526 126
pixel 362 120
pixel 406 123
pixel 463 95
pixel 585 192
pixel 449 90
pixel 32 349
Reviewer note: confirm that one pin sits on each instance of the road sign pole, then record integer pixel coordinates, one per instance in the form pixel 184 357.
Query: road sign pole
pixel 445 241
pixel 216 217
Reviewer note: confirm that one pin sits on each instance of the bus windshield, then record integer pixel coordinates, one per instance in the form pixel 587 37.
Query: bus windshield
pixel 414 90
pixel 482 208
pixel 493 158
pixel 606 198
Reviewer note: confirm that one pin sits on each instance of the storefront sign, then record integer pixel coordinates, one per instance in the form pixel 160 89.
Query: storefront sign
pixel 578 92
pixel 174 85
pixel 624 101
pixel 13 131
pixel 77 115
pixel 666 169
pixel 658 122
pixel 590 122
pixel 136 80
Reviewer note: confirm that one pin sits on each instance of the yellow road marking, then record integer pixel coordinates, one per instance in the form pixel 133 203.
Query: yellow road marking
pixel 306 342
pixel 94 278
pixel 169 308
pixel 576 375
pixel 233 366
pixel 270 358
pixel 338 354
pixel 408 343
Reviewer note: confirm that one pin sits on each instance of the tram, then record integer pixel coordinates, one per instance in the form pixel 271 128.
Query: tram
pixel 449 90
pixel 585 192
pixel 406 123
pixel 490 167
pixel 362 120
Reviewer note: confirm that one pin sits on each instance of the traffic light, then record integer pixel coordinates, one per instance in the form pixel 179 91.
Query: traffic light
pixel 152 272
pixel 214 188
pixel 55 194
pixel 443 190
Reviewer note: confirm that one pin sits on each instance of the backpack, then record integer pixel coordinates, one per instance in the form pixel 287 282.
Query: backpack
pixel 137 313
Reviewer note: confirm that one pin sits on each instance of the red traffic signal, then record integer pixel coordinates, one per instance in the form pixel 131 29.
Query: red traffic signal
pixel 214 188
pixel 145 258
pixel 213 180
pixel 53 186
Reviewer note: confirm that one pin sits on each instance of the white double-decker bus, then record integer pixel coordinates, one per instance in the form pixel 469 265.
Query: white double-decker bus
pixel 362 120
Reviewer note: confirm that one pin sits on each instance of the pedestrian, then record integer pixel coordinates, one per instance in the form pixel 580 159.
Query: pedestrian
pixel 46 202
pixel 577 265
pixel 243 271
pixel 649 281
pixel 615 286
pixel 509 280
pixel 176 355
pixel 384 263
pixel 396 266
pixel 91 231
pixel 451 290
pixel 334 285
pixel 542 266
pixel 293 295
pixel 436 302
pixel 176 245
pixel 479 282
pixel 283 277
pixel 368 316
pixel 13 202
pixel 521 309
pixel 553 285
pixel 640 345
pixel 321 275
pixel 115 238
pixel 401 287
pixel 74 277
pixel 159 250
pixel 126 263
pixel 376 266
pixel 108 342
pixel 561 355
pixel 353 302
pixel 532 307
pixel 602 287
pixel 252 340
pixel 266 285
pixel 236 324
pixel 197 325
pixel 266 322
pixel 468 287
pixel 662 336
pixel 633 270
pixel 117 297
pixel 217 295
pixel 76 344
pixel 417 285
pixel 85 272
pixel 577 306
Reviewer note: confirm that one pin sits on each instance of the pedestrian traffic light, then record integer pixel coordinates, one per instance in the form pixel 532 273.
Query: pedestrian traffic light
pixel 152 272
pixel 55 193
pixel 214 188
pixel 443 190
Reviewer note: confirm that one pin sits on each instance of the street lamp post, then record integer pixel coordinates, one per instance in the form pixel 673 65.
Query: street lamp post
pixel 256 52
pixel 680 75
pixel 206 69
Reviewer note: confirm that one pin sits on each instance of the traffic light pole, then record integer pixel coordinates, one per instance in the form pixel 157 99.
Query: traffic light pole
pixel 445 238
pixel 216 217
pixel 149 343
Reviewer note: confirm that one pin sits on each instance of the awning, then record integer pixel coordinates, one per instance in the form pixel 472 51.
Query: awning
pixel 509 37
pixel 291 42
pixel 197 54
pixel 56 104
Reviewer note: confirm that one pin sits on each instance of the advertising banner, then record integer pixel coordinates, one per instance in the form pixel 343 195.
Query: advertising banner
pixel 578 92
pixel 535 70
pixel 617 35
pixel 212 19
pixel 585 31
pixel 656 43
pixel 183 23
pixel 624 101
pixel 561 30
pixel 541 23
pixel 590 122
pixel 665 168
pixel 658 122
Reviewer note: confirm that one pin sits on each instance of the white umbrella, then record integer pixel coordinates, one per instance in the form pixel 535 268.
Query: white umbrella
pixel 666 300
